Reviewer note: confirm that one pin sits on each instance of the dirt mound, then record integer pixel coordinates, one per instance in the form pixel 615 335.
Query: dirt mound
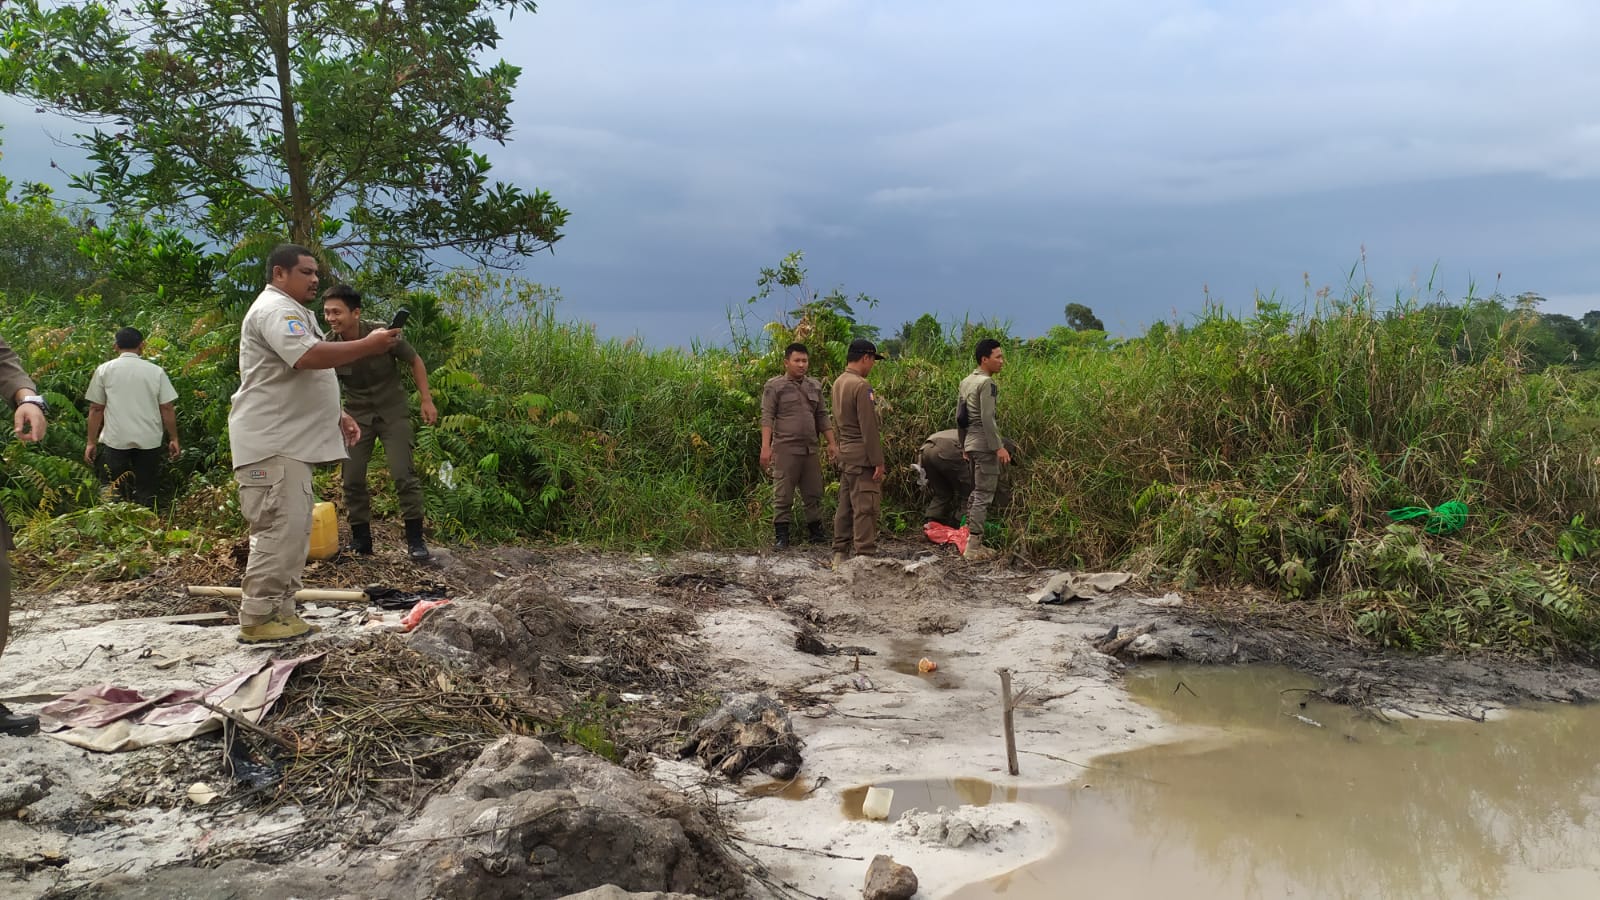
pixel 522 823
pixel 519 823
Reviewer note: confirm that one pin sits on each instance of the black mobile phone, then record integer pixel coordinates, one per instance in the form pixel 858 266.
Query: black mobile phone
pixel 400 318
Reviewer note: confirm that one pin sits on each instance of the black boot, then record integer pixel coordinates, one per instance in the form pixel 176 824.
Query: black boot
pixel 361 538
pixel 17 724
pixel 418 550
pixel 781 529
pixel 814 533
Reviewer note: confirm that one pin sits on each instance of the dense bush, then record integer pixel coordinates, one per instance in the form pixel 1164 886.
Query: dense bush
pixel 1257 450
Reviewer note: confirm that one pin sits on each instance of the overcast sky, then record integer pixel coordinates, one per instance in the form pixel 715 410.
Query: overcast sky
pixel 1003 159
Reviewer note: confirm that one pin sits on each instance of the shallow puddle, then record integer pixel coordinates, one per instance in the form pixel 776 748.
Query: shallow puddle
pixel 1286 800
pixel 905 657
pixel 793 789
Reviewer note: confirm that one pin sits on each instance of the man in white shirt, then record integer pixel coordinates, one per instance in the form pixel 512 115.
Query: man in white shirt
pixel 130 401
pixel 286 419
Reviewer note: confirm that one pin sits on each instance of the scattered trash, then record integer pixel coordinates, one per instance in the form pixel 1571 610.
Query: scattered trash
pixel 1165 601
pixel 1445 518
pixel 808 640
pixel 414 618
pixel 863 683
pixel 1115 641
pixel 240 762
pixel 877 803
pixel 1305 721
pixel 749 731
pixel 107 718
pixel 1069 586
pixel 201 793
pixel 385 597
pixel 926 665
pixel 940 533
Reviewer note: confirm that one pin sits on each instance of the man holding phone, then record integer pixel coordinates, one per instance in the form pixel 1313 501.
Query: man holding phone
pixel 376 397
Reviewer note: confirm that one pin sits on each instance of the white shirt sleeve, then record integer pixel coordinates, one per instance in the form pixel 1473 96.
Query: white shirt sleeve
pixel 97 391
pixel 169 394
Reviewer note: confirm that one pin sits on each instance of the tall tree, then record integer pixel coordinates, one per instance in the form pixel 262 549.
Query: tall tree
pixel 348 126
pixel 1082 318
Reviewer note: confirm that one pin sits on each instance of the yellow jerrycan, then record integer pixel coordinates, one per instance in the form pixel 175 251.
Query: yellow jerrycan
pixel 324 531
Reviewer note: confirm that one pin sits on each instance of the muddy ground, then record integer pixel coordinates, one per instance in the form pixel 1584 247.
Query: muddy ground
pixel 623 654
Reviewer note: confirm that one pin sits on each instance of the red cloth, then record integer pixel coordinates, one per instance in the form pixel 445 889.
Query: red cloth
pixel 414 618
pixel 940 533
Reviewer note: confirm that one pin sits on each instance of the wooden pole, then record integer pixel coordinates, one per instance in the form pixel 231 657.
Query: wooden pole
pixel 1011 734
pixel 311 594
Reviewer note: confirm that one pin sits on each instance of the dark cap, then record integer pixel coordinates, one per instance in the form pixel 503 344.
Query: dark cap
pixel 862 347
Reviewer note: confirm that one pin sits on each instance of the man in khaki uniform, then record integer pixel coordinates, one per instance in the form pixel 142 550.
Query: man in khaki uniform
pixel 855 415
pixel 375 397
pixel 947 471
pixel 131 400
pixel 28 425
pixel 792 416
pixel 975 417
pixel 286 419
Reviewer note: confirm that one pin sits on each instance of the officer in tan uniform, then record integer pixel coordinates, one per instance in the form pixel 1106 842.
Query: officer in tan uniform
pixel 855 415
pixel 376 398
pixel 975 417
pixel 28 425
pixel 944 466
pixel 792 415
pixel 285 419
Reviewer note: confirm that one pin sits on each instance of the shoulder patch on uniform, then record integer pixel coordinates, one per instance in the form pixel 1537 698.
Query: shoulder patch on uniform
pixel 994 389
pixel 294 326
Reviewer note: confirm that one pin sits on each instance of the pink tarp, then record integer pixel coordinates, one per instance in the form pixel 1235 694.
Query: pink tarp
pixel 940 533
pixel 108 718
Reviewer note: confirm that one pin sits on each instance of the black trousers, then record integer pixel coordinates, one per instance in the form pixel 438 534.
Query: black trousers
pixel 135 472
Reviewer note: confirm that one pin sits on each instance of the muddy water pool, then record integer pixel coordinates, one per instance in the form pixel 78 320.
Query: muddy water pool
pixel 1285 797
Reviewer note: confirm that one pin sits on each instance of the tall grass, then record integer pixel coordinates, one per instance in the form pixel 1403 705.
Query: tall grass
pixel 1256 450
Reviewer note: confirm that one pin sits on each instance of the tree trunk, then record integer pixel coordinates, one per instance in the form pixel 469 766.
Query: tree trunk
pixel 302 218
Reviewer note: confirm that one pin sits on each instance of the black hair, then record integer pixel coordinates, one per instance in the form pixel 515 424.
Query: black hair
pixel 794 348
pixel 344 292
pixel 286 257
pixel 984 348
pixel 129 339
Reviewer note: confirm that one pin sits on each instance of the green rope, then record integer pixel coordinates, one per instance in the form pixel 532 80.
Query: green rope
pixel 1442 519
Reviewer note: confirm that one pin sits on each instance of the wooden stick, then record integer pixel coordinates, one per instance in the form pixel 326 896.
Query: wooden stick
pixel 179 619
pixel 1011 734
pixel 313 594
pixel 246 724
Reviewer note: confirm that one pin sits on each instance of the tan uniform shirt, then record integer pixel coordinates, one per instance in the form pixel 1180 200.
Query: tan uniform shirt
pixel 373 383
pixel 12 380
pixel 980 395
pixel 794 411
pixel 132 390
pixel 280 410
pixel 12 377
pixel 855 414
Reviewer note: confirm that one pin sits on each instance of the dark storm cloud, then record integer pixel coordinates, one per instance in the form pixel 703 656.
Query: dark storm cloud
pixel 1003 159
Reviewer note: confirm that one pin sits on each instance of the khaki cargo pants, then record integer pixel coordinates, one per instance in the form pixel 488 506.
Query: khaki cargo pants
pixel 275 497
pixel 793 468
pixel 945 491
pixel 855 524
pixel 985 481
pixel 393 427
pixel 5 582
